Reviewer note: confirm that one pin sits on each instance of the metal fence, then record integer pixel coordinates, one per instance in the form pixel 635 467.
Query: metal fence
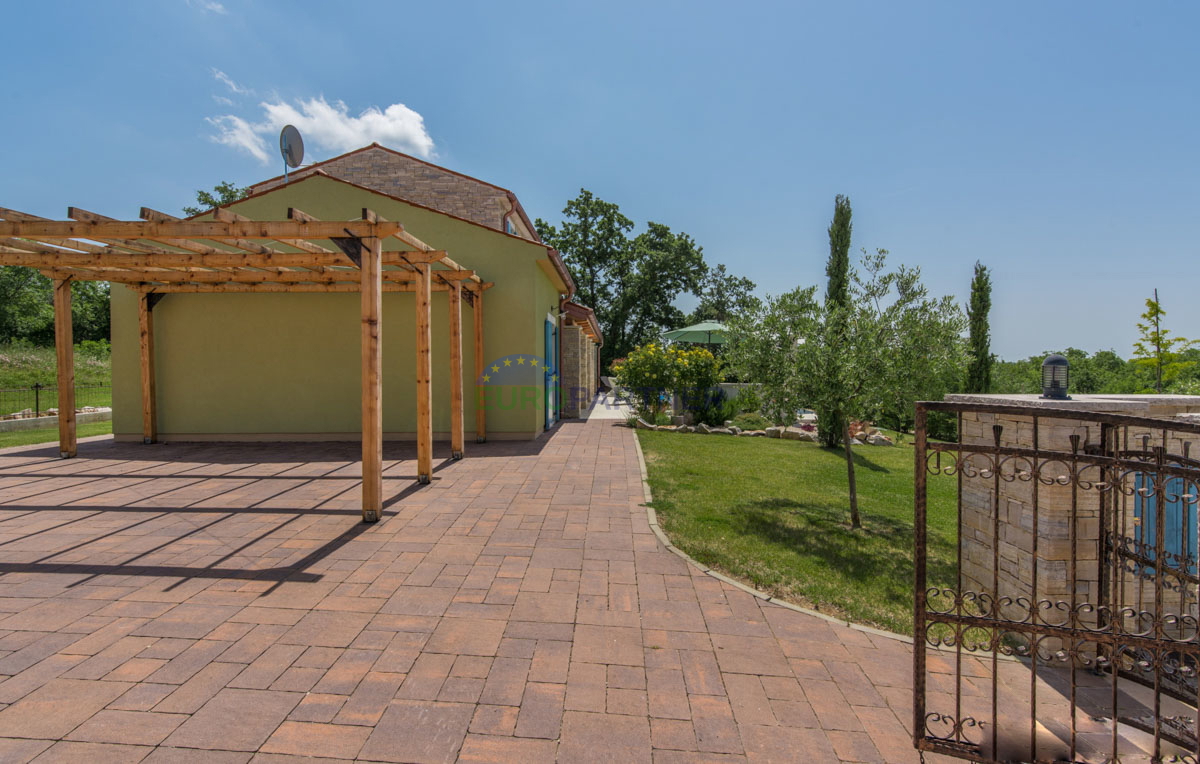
pixel 1069 630
pixel 36 400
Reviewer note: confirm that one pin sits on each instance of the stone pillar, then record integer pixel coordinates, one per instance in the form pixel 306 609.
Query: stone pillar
pixel 572 362
pixel 1015 547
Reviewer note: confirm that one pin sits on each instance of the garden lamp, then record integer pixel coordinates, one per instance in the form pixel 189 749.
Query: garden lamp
pixel 1055 375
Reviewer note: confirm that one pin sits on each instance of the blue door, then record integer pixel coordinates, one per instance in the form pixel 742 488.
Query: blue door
pixel 550 372
pixel 1179 523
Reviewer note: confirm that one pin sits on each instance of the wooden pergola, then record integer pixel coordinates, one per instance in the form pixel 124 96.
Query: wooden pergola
pixel 162 254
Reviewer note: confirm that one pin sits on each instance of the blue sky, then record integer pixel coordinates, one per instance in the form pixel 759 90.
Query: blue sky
pixel 1056 142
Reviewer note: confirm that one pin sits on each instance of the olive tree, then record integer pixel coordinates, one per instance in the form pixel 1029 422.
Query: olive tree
pixel 889 346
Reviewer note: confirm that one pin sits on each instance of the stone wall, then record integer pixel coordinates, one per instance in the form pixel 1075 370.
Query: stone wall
pixel 999 558
pixel 573 360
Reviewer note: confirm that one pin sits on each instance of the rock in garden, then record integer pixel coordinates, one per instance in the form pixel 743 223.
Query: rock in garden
pixel 791 433
pixel 809 436
pixel 722 431
pixel 735 430
pixel 642 424
pixel 703 428
pixel 773 432
pixel 756 434
pixel 879 439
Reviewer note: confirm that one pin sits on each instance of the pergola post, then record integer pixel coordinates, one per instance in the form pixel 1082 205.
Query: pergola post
pixel 65 352
pixel 480 407
pixel 454 300
pixel 372 380
pixel 424 374
pixel 146 345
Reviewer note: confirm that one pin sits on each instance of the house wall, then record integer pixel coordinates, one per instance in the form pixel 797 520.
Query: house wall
pixel 288 365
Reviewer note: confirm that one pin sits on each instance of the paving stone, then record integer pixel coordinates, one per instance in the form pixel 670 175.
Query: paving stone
pixel 131 727
pixel 93 753
pixel 57 707
pixel 419 732
pixel 598 738
pixel 481 749
pixel 331 741
pixel 466 636
pixel 541 710
pixel 235 720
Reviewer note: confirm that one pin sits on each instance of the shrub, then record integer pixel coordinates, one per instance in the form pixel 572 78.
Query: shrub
pixel 751 421
pixel 748 401
pixel 653 372
pixel 715 409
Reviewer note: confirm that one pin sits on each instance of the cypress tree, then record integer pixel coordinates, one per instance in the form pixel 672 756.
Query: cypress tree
pixel 832 422
pixel 837 269
pixel 979 369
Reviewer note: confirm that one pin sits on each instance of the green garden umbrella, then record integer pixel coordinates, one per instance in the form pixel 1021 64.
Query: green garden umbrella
pixel 704 333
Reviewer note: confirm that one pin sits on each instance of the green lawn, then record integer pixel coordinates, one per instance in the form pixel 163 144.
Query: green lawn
pixel 30 437
pixel 23 366
pixel 775 513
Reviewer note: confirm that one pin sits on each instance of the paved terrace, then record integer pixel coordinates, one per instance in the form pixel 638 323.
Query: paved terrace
pixel 223 603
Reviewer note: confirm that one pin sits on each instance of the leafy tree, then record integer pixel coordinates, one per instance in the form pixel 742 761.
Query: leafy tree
pixel 723 296
pixel 1157 349
pixel 979 369
pixel 223 193
pixel 630 283
pixel 27 308
pixel 889 346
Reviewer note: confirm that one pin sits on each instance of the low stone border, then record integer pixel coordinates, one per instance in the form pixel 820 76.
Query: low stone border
pixel 786 433
pixel 652 517
pixel 51 422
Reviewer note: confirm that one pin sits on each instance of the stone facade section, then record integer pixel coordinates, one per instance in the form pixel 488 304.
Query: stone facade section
pixel 1001 535
pixel 399 175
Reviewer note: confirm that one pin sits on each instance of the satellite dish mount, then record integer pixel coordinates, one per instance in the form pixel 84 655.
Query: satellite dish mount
pixel 291 147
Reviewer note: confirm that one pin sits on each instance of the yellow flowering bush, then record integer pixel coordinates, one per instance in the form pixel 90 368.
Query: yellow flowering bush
pixel 652 372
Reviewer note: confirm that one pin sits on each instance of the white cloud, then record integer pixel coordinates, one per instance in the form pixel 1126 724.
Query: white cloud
pixel 208 6
pixel 240 134
pixel 234 88
pixel 223 100
pixel 326 126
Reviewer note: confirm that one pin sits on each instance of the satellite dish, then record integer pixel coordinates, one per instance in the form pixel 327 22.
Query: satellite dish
pixel 291 146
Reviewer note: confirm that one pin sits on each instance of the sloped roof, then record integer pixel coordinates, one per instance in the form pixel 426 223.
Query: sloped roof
pixel 555 259
pixel 405 177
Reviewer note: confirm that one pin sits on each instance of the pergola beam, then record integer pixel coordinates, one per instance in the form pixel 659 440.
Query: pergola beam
pixel 146 356
pixel 480 409
pixel 347 275
pixel 197 229
pixel 65 357
pixel 424 375
pixel 269 288
pixel 180 260
pixel 372 382
pixel 454 302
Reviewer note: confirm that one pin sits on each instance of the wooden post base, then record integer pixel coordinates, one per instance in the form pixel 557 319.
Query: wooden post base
pixel 370 516
pixel 423 479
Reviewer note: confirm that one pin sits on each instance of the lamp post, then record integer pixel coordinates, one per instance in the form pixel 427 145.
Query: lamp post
pixel 1055 377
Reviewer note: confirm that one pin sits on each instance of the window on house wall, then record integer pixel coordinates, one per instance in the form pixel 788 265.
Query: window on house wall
pixel 510 228
pixel 1179 523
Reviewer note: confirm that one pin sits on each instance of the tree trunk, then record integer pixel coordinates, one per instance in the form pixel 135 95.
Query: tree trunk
pixel 855 521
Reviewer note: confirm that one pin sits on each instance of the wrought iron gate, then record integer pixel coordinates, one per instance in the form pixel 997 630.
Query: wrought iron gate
pixel 1065 627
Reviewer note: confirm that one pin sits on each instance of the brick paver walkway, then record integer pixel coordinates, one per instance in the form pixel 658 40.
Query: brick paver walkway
pixel 222 603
